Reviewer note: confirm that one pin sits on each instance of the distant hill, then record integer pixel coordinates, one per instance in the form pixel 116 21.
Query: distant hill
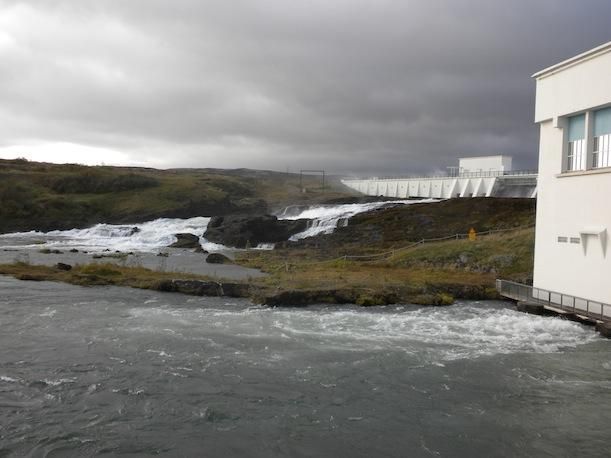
pixel 42 196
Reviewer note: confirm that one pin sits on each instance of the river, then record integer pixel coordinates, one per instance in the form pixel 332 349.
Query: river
pixel 114 371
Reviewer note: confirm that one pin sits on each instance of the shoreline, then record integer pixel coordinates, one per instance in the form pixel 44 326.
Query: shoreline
pixel 254 289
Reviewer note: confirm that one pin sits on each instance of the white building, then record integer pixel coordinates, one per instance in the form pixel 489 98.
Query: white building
pixel 483 164
pixel 573 110
pixel 482 176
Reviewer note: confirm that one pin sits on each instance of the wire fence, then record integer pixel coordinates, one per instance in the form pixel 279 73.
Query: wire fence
pixel 391 253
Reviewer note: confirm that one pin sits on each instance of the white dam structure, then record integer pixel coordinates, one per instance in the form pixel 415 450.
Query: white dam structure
pixel 487 176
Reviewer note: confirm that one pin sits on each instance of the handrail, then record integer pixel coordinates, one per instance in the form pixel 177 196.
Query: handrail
pixel 574 304
pixel 479 174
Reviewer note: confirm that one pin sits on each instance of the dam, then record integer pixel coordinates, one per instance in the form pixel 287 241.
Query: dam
pixel 483 176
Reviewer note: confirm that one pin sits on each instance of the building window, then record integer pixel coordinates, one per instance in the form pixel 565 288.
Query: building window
pixel 576 152
pixel 601 155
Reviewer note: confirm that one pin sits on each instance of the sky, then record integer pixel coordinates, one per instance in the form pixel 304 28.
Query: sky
pixel 354 87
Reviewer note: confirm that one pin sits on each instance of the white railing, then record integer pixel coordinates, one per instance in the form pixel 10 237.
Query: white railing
pixel 477 174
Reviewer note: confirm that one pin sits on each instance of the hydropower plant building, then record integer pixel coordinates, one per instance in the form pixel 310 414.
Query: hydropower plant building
pixel 573 110
pixel 484 176
pixel 572 262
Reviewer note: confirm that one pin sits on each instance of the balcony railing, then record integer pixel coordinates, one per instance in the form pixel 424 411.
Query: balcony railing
pixel 573 304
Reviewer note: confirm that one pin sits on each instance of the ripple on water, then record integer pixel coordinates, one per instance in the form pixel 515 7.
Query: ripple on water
pixel 291 382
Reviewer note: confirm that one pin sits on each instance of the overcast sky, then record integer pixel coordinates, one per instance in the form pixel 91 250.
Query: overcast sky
pixel 351 86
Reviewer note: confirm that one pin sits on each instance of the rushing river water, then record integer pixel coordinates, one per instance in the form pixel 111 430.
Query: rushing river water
pixel 105 370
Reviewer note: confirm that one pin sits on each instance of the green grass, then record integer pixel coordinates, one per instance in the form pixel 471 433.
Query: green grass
pixel 430 273
pixel 508 255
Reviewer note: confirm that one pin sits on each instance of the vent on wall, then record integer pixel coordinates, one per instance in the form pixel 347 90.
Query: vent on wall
pixel 563 239
pixel 594 232
pixel 576 240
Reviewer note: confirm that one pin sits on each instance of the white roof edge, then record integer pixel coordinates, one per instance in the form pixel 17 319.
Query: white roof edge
pixel 490 155
pixel 602 49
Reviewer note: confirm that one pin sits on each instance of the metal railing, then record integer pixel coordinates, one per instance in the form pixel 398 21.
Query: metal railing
pixel 477 174
pixel 574 304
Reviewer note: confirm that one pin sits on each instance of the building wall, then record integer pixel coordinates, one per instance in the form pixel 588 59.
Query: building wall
pixel 579 87
pixel 574 205
pixel 485 164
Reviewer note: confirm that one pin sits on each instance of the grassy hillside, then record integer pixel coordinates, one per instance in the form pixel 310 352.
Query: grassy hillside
pixel 434 273
pixel 389 227
pixel 49 196
pixel 429 273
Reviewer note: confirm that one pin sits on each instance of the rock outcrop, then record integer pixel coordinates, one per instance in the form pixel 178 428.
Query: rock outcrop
pixel 63 266
pixel 243 231
pixel 205 288
pixel 186 241
pixel 218 258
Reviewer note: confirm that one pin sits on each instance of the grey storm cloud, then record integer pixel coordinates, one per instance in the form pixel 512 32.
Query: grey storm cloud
pixel 357 86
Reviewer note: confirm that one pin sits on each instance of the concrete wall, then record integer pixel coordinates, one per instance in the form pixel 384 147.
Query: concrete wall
pixel 573 205
pixel 485 164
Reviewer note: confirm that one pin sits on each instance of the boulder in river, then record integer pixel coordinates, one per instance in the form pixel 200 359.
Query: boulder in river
pixel 185 241
pixel 62 266
pixel 242 231
pixel 218 258
pixel 205 288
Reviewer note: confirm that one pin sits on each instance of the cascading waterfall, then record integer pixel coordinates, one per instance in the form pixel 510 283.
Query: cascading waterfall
pixel 325 219
pixel 156 235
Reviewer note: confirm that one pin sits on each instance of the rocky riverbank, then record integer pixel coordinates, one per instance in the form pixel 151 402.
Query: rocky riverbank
pixel 260 292
pixel 344 267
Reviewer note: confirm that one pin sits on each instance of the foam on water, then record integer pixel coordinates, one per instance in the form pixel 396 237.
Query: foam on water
pixel 326 218
pixel 381 381
pixel 463 331
pixel 148 237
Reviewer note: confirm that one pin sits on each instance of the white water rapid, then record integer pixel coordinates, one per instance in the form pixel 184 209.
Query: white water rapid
pixel 325 219
pixel 151 236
